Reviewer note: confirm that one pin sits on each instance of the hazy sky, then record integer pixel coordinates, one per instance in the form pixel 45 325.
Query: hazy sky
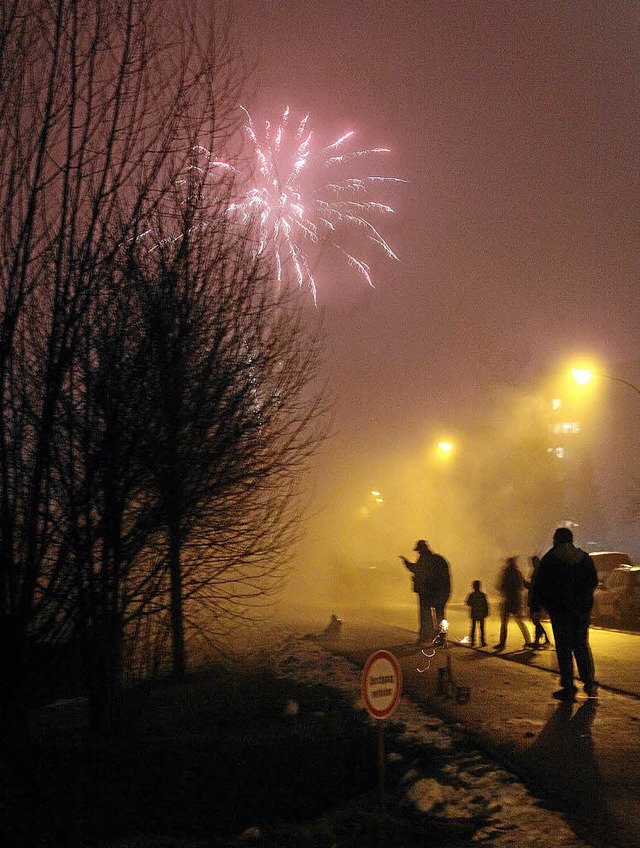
pixel 515 124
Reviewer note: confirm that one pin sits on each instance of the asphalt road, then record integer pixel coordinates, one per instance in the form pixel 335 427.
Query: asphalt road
pixel 581 758
pixel 616 653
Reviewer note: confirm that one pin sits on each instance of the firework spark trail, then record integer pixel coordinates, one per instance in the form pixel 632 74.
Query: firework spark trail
pixel 295 208
pixel 293 202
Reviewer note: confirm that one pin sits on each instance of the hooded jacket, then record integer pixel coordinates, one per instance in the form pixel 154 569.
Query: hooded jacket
pixel 564 581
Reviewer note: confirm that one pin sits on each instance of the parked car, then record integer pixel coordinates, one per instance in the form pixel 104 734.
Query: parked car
pixel 606 561
pixel 616 601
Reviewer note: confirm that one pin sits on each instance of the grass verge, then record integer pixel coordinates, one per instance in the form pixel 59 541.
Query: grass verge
pixel 215 761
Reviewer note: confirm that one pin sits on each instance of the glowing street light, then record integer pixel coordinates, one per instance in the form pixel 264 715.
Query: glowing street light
pixel 445 449
pixel 582 376
pixel 377 499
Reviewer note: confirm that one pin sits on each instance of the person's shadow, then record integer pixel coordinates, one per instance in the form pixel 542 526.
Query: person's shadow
pixel 564 765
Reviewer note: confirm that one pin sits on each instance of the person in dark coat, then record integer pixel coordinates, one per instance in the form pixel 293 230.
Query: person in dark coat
pixel 479 610
pixel 432 584
pixel 563 585
pixel 540 639
pixel 511 587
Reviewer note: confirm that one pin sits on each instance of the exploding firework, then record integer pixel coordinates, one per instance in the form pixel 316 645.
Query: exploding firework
pixel 303 206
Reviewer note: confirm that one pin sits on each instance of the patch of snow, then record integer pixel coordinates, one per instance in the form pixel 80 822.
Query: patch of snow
pixel 468 785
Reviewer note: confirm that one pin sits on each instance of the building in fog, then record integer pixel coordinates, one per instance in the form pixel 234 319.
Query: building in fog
pixel 594 440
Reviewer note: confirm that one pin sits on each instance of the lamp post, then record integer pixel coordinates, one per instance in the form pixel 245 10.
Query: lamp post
pixel 442 460
pixel 617 426
pixel 584 375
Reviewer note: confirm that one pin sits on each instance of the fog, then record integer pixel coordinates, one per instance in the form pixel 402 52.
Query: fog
pixel 489 497
pixel 515 125
pixel 500 491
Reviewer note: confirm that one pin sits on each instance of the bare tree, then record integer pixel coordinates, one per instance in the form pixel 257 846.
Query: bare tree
pixel 99 485
pixel 101 105
pixel 237 410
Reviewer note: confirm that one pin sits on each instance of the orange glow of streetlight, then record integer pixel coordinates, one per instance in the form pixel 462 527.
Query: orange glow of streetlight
pixel 582 375
pixel 444 449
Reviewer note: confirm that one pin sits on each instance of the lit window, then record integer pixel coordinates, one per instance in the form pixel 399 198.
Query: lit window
pixel 567 427
pixel 556 403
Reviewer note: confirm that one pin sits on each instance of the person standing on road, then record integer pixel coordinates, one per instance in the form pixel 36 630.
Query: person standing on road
pixel 432 584
pixel 563 585
pixel 479 610
pixel 540 638
pixel 511 587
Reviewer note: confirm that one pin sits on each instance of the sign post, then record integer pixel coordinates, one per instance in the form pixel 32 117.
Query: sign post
pixel 381 688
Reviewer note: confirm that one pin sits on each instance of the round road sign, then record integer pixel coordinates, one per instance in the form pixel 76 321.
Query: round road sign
pixel 381 684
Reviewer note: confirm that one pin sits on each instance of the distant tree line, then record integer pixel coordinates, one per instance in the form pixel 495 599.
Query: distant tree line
pixel 159 389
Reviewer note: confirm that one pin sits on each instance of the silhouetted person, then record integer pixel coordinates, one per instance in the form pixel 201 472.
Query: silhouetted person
pixel 563 585
pixel 540 638
pixel 432 584
pixel 511 587
pixel 334 628
pixel 479 610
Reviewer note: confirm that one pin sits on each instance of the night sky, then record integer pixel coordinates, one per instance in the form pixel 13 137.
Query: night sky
pixel 515 125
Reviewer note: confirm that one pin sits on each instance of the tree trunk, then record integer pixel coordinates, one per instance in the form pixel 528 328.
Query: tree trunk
pixel 13 713
pixel 177 618
pixel 105 676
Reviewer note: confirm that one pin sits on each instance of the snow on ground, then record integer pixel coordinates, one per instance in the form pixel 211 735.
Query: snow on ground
pixel 467 785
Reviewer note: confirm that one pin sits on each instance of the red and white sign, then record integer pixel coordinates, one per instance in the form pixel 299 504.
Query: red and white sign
pixel 381 684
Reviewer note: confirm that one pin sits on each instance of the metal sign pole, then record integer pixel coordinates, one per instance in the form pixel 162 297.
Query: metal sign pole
pixel 381 687
pixel 381 724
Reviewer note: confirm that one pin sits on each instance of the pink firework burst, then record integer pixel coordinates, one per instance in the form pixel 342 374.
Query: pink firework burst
pixel 300 209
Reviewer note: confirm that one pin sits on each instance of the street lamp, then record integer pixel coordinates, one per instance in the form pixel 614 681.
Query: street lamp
pixel 377 499
pixel 444 449
pixel 583 375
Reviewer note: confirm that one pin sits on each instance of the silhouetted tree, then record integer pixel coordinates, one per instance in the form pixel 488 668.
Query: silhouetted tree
pixel 236 411
pixel 101 105
pixel 101 487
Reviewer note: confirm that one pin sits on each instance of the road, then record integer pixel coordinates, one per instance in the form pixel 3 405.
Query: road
pixel 616 653
pixel 581 758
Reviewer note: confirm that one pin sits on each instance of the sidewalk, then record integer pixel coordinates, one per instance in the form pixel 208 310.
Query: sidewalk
pixel 581 758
